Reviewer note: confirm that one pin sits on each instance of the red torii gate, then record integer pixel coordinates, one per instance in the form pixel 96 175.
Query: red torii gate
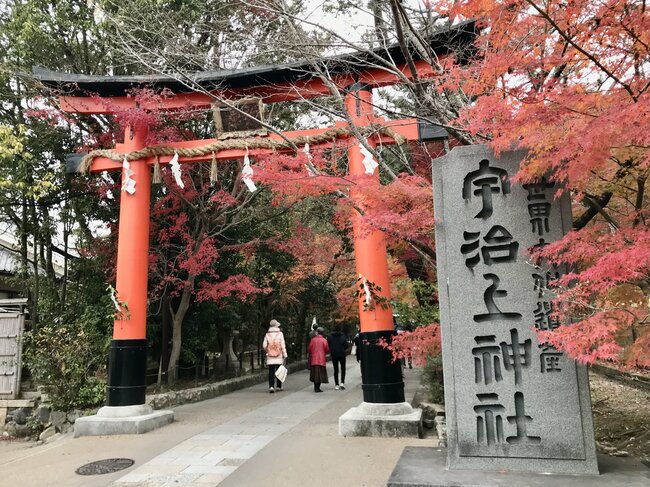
pixel 353 75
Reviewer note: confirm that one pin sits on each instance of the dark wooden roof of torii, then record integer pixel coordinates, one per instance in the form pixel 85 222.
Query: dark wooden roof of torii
pixel 249 81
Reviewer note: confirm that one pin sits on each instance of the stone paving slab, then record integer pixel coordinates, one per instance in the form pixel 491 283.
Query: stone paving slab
pixel 210 457
pixel 426 467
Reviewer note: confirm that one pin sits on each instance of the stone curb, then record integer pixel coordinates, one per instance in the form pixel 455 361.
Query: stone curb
pixel 170 399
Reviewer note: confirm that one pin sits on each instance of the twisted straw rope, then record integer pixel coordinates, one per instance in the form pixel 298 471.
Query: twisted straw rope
pixel 246 143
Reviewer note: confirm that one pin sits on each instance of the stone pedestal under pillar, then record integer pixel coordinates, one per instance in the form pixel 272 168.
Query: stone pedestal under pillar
pixel 395 420
pixel 427 467
pixel 122 420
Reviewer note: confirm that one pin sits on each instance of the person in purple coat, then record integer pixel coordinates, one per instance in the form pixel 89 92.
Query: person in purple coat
pixel 318 348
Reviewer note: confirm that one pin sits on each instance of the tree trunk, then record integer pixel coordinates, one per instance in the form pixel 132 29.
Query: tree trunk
pixel 35 255
pixel 301 347
pixel 381 29
pixel 166 325
pixel 64 281
pixel 177 323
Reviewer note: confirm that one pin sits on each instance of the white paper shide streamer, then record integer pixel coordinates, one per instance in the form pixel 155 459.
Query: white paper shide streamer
pixel 113 293
pixel 369 161
pixel 176 170
pixel 128 183
pixel 247 174
pixel 310 165
pixel 366 289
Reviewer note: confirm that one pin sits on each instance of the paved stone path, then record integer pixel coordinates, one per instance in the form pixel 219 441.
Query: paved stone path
pixel 211 456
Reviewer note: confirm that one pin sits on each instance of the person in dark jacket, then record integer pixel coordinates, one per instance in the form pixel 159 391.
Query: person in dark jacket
pixel 338 343
pixel 357 346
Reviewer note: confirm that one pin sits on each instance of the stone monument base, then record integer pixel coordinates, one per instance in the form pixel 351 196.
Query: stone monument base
pixel 426 467
pixel 122 420
pixel 397 420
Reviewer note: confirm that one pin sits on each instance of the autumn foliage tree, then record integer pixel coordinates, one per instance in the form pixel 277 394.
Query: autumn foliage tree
pixel 569 82
pixel 188 224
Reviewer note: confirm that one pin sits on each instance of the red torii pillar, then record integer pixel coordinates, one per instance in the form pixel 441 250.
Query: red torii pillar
pixel 127 364
pixel 381 376
pixel 126 411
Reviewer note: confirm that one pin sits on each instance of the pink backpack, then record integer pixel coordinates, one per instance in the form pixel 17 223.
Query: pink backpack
pixel 273 347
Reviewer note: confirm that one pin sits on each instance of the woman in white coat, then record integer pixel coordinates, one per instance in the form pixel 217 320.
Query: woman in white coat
pixel 276 353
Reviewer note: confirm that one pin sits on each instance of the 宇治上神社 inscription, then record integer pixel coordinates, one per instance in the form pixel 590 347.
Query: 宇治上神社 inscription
pixel 512 403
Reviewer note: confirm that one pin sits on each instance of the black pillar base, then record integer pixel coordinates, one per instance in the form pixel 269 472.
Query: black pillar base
pixel 127 373
pixel 381 377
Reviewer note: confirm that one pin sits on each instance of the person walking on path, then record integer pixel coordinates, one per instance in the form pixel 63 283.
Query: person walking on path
pixel 314 327
pixel 318 348
pixel 276 353
pixel 356 346
pixel 338 344
pixel 312 334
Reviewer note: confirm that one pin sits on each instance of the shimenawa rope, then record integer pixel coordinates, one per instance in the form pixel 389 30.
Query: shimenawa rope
pixel 249 142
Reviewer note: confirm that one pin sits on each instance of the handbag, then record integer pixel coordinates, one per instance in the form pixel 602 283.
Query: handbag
pixel 281 373
pixel 354 349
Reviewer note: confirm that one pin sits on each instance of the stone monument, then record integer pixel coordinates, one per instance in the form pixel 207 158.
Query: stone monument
pixel 228 355
pixel 512 403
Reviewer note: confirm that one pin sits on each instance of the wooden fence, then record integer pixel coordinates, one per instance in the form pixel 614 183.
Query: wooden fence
pixel 11 334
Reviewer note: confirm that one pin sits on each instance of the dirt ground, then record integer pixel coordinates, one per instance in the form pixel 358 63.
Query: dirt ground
pixel 621 418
